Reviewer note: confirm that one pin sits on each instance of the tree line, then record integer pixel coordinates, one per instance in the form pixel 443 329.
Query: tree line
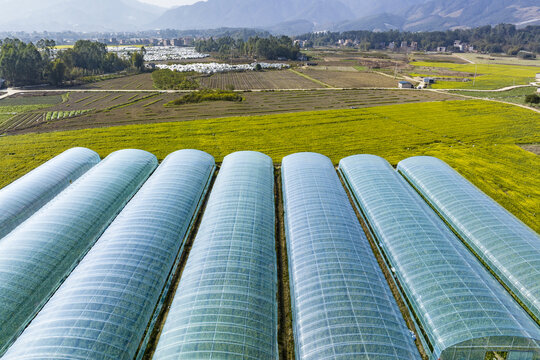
pixel 493 39
pixel 270 48
pixel 30 64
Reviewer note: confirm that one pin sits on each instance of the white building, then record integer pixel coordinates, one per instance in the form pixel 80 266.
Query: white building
pixel 405 85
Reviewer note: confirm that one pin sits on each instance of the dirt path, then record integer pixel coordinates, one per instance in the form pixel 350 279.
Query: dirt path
pixel 462 58
pixel 485 99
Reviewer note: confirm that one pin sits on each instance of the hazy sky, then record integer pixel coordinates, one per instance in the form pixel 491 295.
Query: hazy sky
pixel 170 3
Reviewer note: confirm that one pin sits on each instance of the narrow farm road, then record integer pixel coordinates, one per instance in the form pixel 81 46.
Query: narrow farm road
pixel 493 100
pixel 464 59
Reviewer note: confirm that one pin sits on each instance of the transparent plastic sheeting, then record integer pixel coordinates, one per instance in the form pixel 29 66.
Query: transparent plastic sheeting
pixel 226 306
pixel 462 308
pixel 105 306
pixel 342 305
pixel 509 248
pixel 20 199
pixel 41 252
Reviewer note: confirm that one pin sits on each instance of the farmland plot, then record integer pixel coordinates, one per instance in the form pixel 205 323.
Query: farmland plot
pixel 350 79
pixel 148 108
pixel 252 80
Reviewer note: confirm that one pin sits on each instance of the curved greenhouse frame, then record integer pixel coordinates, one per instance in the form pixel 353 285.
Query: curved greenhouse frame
pixel 463 311
pixel 341 303
pixel 226 304
pixel 510 249
pixel 38 255
pixel 26 195
pixel 104 308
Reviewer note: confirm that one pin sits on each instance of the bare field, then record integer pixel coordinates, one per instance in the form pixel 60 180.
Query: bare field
pixel 253 80
pixel 350 79
pixel 132 82
pixel 112 110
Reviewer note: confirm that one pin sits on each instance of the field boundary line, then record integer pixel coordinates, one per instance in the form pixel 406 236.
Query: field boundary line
pixel 464 59
pixel 312 79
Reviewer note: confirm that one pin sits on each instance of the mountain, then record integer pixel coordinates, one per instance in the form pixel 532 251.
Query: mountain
pixel 382 22
pixel 295 16
pixel 444 14
pixel 277 16
pixel 76 15
pixel 253 13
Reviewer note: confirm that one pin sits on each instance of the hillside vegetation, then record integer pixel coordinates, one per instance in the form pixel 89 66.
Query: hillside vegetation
pixel 477 138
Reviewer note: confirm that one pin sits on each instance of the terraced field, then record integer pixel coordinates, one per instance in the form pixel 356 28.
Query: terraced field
pixel 252 80
pixel 134 108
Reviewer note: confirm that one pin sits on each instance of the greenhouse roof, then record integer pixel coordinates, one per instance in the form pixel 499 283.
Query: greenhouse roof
pixel 225 306
pixel 457 302
pixel 22 198
pixel 37 256
pixel 509 248
pixel 105 306
pixel 341 303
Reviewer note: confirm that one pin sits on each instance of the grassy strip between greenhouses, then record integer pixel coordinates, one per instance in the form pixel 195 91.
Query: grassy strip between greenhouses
pixel 285 326
pixel 476 137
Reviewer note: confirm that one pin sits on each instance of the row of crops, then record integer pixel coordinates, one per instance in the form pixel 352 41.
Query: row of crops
pixel 89 250
pixel 58 115
pixel 29 119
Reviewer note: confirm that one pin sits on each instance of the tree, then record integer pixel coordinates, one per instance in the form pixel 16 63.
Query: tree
pixel 57 73
pixel 532 99
pixel 137 60
pixel 20 63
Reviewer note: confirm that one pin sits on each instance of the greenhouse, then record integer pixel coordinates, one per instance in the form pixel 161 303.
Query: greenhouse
pixel 105 306
pixel 508 247
pixel 341 303
pixel 22 198
pixel 462 310
pixel 41 252
pixel 225 306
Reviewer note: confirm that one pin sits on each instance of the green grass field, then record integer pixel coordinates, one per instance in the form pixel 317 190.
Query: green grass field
pixel 475 137
pixel 488 77
pixel 516 96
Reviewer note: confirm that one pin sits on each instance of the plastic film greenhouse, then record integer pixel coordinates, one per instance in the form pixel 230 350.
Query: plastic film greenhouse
pixel 225 306
pixel 23 197
pixel 509 248
pixel 463 311
pixel 41 252
pixel 104 308
pixel 341 303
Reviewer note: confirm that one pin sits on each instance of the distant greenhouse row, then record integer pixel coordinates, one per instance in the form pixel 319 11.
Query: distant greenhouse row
pixel 125 258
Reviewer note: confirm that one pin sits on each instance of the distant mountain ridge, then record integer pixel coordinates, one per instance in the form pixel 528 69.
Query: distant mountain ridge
pixel 294 16
pixel 277 16
pixel 76 15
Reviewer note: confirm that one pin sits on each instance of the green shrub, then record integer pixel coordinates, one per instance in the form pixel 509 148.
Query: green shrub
pixel 207 95
pixel 166 79
pixel 532 99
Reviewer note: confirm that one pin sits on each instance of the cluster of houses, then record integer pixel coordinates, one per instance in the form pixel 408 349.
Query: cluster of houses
pixel 404 46
pixel 458 46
